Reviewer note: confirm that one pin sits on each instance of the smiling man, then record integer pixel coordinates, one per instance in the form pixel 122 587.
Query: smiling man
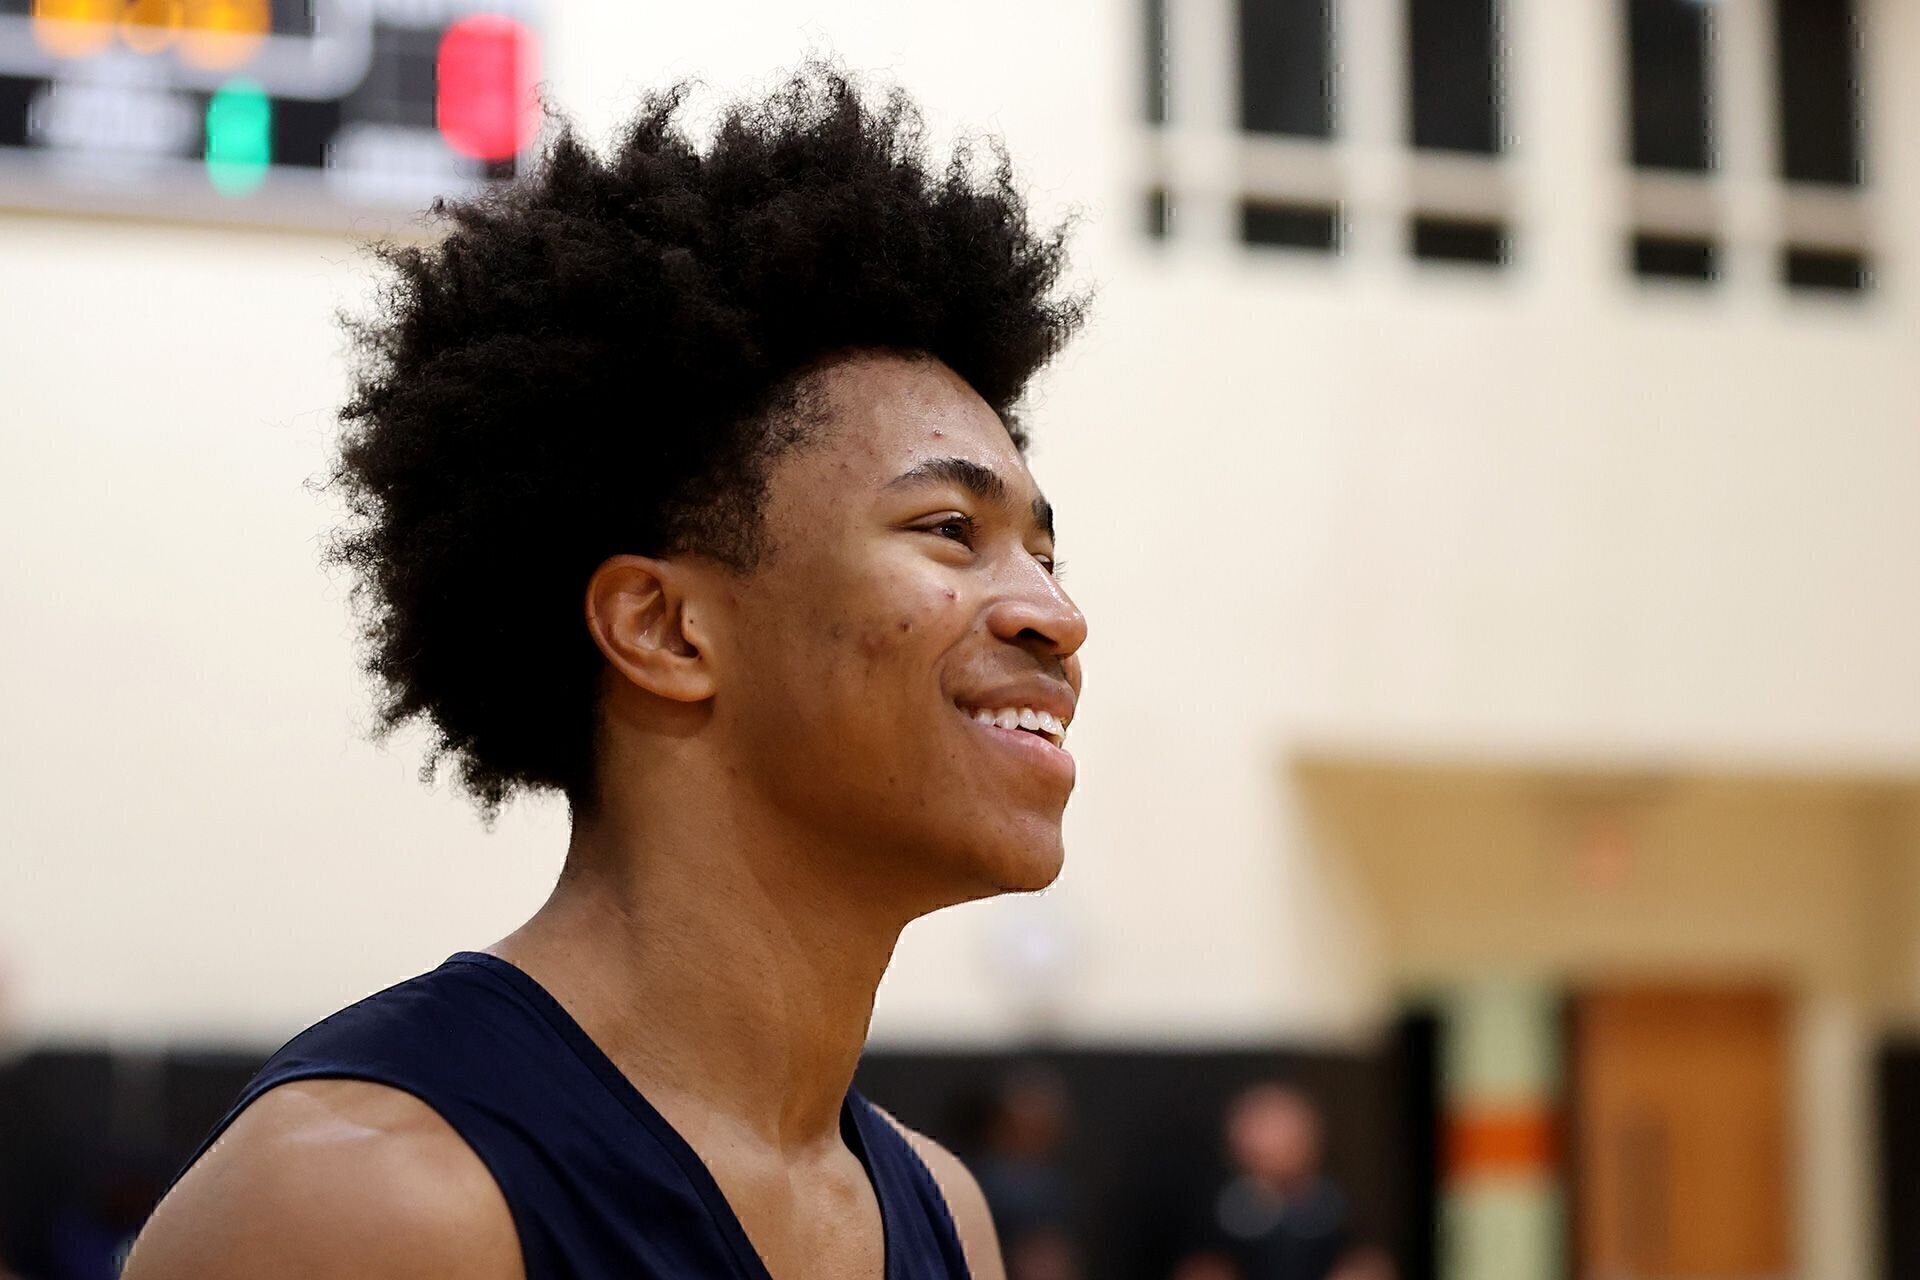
pixel 683 482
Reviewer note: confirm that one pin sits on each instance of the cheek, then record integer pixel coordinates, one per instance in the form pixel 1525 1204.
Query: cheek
pixel 848 716
pixel 881 643
pixel 852 651
pixel 900 625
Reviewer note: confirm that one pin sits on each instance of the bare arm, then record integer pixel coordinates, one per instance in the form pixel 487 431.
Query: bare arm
pixel 332 1180
pixel 978 1241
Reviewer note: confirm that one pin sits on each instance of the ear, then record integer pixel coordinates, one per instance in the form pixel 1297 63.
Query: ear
pixel 640 616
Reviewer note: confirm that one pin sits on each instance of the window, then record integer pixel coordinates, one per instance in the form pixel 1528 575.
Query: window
pixel 1675 257
pixel 1156 61
pixel 1835 270
pixel 1286 84
pixel 1676 210
pixel 1688 192
pixel 1436 239
pixel 1291 226
pixel 1455 123
pixel 1816 49
pixel 1159 213
pixel 1383 129
pixel 1453 76
pixel 1667 44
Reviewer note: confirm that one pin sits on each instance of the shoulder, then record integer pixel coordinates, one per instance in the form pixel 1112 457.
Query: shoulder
pixel 332 1178
pixel 964 1201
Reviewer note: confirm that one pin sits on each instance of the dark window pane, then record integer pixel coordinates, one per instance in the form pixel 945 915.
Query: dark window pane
pixel 16 97
pixel 1674 257
pixel 302 130
pixel 1159 213
pixel 1453 51
pixel 1667 43
pixel 1295 226
pixel 291 17
pixel 1818 46
pixel 402 80
pixel 1837 269
pixel 1285 85
pixel 1458 240
pixel 1156 61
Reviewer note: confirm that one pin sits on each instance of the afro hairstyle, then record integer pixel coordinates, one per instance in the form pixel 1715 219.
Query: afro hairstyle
pixel 604 357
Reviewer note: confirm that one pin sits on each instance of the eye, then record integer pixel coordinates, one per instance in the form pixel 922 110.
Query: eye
pixel 953 527
pixel 1053 567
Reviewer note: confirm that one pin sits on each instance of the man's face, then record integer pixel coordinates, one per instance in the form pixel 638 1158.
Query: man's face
pixel 907 590
pixel 1273 1134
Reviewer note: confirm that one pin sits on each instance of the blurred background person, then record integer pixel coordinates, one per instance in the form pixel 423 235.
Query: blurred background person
pixel 1279 1217
pixel 1028 1191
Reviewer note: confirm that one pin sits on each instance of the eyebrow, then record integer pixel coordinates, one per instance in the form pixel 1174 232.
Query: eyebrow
pixel 983 483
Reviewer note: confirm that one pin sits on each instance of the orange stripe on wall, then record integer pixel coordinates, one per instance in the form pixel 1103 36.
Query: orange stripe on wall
pixel 1483 1141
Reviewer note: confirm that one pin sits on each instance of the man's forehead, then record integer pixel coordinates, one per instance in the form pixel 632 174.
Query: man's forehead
pixel 885 423
pixel 894 414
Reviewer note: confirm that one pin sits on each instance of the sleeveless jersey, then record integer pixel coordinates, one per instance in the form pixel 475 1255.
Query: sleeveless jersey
pixel 600 1186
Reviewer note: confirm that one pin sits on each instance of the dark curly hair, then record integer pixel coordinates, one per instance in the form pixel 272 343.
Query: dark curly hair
pixel 604 357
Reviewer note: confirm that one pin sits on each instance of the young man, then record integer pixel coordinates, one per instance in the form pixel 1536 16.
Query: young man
pixel 683 483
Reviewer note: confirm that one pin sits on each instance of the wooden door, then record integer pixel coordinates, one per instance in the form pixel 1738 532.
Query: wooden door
pixel 1680 1129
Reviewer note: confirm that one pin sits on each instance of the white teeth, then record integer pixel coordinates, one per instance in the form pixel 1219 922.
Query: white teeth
pixel 1034 721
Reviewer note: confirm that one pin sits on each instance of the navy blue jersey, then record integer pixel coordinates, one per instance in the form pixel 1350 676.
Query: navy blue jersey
pixel 601 1187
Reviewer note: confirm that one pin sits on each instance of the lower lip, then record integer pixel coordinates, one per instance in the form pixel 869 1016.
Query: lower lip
pixel 1036 750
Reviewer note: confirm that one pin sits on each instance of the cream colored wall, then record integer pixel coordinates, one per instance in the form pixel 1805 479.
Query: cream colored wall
pixel 1304 503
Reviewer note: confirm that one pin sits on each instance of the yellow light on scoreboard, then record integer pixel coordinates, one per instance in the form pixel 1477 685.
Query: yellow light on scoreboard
pixel 75 28
pixel 216 34
pixel 221 34
pixel 148 26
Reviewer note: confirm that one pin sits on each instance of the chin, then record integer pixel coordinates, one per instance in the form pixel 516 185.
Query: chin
pixel 1029 867
pixel 1002 857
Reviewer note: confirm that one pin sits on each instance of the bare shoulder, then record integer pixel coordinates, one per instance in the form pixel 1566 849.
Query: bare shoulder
pixel 964 1200
pixel 332 1178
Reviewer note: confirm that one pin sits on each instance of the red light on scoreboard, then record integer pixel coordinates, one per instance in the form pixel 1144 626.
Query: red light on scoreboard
pixel 484 102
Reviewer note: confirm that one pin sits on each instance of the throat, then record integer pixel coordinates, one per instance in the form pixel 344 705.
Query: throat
pixel 740 1005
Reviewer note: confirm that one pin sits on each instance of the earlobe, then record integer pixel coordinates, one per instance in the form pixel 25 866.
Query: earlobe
pixel 641 619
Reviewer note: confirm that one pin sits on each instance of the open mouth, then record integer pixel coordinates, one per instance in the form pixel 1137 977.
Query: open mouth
pixel 1041 724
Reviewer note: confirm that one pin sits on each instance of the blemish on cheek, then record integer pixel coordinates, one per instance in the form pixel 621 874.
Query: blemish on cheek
pixel 937 433
pixel 952 594
pixel 905 626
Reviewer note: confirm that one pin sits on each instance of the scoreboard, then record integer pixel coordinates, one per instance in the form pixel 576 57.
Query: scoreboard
pixel 303 112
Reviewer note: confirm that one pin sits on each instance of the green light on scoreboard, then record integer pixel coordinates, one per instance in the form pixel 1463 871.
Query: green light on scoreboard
pixel 239 137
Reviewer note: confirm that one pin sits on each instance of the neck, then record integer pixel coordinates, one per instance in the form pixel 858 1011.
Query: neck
pixel 727 972
pixel 1285 1185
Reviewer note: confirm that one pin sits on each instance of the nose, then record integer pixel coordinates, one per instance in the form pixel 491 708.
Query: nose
pixel 1036 614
